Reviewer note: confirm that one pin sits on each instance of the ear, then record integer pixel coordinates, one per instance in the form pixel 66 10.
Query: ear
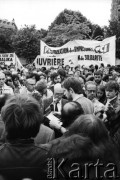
pixel 71 90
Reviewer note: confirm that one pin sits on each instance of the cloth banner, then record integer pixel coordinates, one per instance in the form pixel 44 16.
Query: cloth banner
pixel 43 61
pixel 83 52
pixel 10 59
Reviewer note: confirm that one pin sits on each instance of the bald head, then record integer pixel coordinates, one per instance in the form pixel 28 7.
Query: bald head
pixel 58 91
pixel 70 112
pixel 30 84
pixel 58 88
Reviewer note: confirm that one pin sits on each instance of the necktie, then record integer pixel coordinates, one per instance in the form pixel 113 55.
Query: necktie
pixel 56 108
pixel 1 91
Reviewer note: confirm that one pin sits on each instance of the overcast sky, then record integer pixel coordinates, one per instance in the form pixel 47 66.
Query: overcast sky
pixel 43 12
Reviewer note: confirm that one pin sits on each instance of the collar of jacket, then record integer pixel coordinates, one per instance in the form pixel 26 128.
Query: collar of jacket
pixel 21 141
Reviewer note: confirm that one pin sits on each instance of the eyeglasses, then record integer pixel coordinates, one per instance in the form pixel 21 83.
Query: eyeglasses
pixel 31 84
pixel 9 80
pixel 2 79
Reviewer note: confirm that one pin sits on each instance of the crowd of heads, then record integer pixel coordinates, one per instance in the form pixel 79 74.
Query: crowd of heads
pixel 27 95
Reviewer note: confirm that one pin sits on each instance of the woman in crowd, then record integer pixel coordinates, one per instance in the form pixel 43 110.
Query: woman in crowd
pixel 101 95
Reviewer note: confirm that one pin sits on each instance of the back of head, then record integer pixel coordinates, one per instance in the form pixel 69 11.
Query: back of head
pixel 40 86
pixel 22 117
pixel 112 85
pixel 90 126
pixel 74 83
pixel 98 72
pixel 70 112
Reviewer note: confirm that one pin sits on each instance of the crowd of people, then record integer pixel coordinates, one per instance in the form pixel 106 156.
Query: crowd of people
pixel 60 123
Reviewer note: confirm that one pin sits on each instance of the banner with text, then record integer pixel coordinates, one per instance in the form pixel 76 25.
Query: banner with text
pixel 83 52
pixel 43 61
pixel 10 59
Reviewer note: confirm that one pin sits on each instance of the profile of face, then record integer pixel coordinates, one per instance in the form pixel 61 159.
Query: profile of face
pixel 2 79
pixel 99 94
pixel 91 91
pixel 110 93
pixel 67 93
pixel 98 78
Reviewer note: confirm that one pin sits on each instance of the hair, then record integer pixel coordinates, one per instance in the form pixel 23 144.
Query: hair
pixel 90 78
pixel 106 78
pixel 88 83
pixel 62 73
pixel 84 79
pixel 102 65
pixel 90 126
pixel 47 71
pixel 88 74
pixel 99 72
pixel 103 98
pixel 86 139
pixel 76 67
pixel 74 83
pixel 67 66
pixel 8 73
pixel 112 85
pixel 53 75
pixel 22 117
pixel 96 67
pixel 15 76
pixel 43 74
pixel 70 112
pixel 40 86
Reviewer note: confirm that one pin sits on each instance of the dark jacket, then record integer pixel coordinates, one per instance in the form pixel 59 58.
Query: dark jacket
pixel 45 135
pixel 23 159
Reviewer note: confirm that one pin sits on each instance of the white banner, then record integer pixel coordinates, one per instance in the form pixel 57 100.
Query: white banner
pixel 7 58
pixel 10 58
pixel 86 52
pixel 43 61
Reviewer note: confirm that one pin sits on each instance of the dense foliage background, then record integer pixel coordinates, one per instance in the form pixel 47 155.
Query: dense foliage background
pixel 68 25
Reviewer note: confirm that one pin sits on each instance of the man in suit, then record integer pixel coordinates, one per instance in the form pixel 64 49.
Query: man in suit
pixel 73 91
pixel 58 101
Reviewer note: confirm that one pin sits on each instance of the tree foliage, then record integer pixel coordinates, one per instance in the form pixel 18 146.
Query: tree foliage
pixel 6 40
pixel 68 25
pixel 114 30
pixel 26 43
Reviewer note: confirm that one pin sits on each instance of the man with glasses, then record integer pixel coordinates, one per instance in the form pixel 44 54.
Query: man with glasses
pixel 4 89
pixel 29 88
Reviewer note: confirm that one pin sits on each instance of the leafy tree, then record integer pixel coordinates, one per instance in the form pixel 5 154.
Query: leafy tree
pixel 27 43
pixel 114 30
pixel 6 40
pixel 68 25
